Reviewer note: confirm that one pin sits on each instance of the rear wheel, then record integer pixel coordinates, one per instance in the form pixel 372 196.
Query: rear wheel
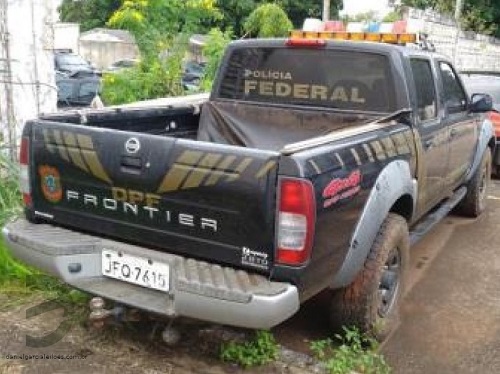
pixel 371 302
pixel 474 201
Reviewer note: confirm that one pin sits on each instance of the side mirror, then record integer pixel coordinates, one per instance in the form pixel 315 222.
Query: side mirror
pixel 480 103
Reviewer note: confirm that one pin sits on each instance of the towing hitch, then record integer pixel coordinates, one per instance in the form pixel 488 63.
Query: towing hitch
pixel 100 316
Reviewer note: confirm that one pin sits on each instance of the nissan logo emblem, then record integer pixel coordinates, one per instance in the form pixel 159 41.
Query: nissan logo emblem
pixel 132 145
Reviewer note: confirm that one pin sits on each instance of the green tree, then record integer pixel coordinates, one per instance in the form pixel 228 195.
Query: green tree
pixel 298 10
pixel 213 51
pixel 88 13
pixel 234 13
pixel 155 23
pixel 160 28
pixel 268 20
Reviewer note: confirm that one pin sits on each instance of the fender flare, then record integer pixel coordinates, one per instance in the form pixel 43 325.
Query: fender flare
pixel 485 136
pixel 392 183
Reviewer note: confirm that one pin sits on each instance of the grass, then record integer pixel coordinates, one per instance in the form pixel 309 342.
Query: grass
pixel 18 281
pixel 261 350
pixel 355 354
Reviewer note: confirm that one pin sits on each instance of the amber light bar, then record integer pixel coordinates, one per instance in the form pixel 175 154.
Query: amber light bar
pixel 391 38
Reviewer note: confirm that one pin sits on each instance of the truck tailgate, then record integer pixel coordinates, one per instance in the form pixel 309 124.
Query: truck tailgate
pixel 203 200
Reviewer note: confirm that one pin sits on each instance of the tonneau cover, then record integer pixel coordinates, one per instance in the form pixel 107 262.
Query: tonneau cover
pixel 268 127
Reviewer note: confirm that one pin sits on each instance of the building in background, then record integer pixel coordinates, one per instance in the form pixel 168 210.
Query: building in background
pixel 105 46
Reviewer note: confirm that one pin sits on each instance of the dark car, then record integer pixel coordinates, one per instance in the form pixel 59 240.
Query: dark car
pixel 120 65
pixel 76 92
pixel 193 74
pixel 486 82
pixel 73 65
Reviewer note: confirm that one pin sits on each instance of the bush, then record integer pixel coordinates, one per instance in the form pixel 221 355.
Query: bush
pixel 214 51
pixel 356 354
pixel 259 351
pixel 10 196
pixel 10 206
pixel 267 21
pixel 150 79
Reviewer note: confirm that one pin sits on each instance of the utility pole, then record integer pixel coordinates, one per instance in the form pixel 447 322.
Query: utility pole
pixel 326 10
pixel 458 9
pixel 458 13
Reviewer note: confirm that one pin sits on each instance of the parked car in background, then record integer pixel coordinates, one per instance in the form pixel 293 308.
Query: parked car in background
pixel 77 92
pixel 119 65
pixel 193 73
pixel 488 82
pixel 72 65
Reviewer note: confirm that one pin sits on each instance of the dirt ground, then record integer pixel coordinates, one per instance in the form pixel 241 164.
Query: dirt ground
pixel 450 321
pixel 134 348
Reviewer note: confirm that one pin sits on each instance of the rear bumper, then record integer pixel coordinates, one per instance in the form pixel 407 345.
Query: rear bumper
pixel 198 289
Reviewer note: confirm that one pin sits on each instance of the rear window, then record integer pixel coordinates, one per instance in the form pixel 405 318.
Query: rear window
pixel 310 77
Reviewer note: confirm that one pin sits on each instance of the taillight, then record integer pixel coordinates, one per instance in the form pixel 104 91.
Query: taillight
pixel 24 182
pixel 494 117
pixel 295 221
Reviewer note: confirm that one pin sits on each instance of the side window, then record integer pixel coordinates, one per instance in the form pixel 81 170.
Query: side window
pixel 454 95
pixel 426 92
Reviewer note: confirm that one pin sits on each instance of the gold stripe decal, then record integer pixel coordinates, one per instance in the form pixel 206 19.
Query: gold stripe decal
pixel 368 152
pixel 220 170
pixel 179 171
pixel 401 145
pixel 315 166
pixel 174 178
pixel 356 156
pixel 268 166
pixel 339 159
pixel 48 145
pixel 240 169
pixel 74 151
pixel 85 142
pixel 201 170
pixel 379 150
pixel 60 145
pixel 189 157
pixel 90 157
pixel 389 147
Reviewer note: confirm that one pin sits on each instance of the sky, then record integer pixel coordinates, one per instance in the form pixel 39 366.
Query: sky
pixel 352 7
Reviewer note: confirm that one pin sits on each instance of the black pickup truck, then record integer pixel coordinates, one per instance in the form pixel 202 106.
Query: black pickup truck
pixel 314 165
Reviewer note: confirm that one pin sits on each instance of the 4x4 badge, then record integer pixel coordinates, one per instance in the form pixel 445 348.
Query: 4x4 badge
pixel 132 145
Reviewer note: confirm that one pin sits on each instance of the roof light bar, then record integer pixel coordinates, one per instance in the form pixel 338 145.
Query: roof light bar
pixel 392 38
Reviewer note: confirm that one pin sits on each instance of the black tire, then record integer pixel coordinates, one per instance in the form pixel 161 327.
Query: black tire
pixel 371 302
pixel 474 202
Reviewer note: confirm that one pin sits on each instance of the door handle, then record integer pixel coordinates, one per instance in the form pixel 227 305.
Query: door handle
pixel 131 165
pixel 428 144
pixel 453 132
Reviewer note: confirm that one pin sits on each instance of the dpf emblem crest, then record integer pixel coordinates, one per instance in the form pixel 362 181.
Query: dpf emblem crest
pixel 51 183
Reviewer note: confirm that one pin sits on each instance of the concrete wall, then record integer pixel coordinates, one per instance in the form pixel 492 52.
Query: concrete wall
pixel 469 50
pixel 103 53
pixel 66 36
pixel 27 79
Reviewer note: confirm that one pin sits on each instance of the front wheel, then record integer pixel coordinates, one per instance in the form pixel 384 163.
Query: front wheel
pixel 371 302
pixel 474 201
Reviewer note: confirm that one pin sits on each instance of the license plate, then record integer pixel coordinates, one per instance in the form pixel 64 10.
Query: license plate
pixel 137 270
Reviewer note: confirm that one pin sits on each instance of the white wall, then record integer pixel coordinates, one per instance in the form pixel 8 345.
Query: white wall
pixel 32 81
pixel 66 36
pixel 471 51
